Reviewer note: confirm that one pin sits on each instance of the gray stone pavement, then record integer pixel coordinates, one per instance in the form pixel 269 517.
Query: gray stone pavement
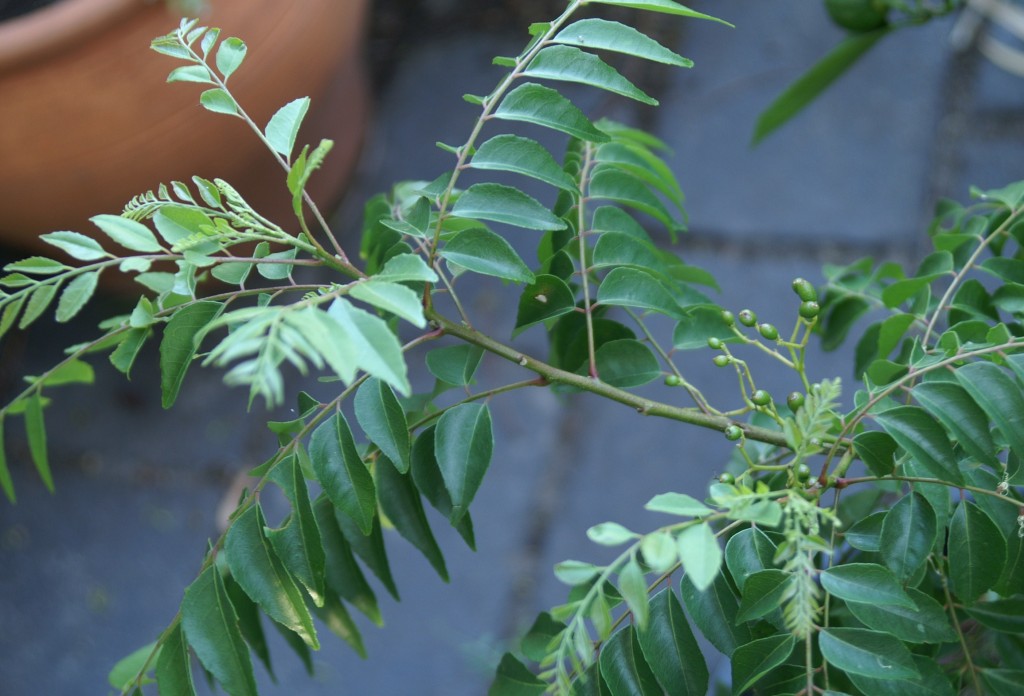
pixel 98 569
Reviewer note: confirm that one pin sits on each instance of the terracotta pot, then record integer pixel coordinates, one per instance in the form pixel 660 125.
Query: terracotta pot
pixel 87 120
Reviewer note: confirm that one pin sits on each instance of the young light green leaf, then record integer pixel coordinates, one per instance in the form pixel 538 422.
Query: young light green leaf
pixel 700 554
pixel 754 660
pixel 865 582
pixel 71 371
pixel 614 36
pixel 670 648
pixel 128 233
pixel 747 552
pixel 218 101
pixel 977 552
pixel 575 572
pixel 76 245
pixel 463 445
pixel 36 265
pixel 610 534
pixel 302 170
pixel 260 573
pixel 631 287
pixel 379 351
pixel 406 267
pixel 401 502
pixel 514 679
pixel 505 204
pixel 383 420
pixel 633 587
pixel 669 7
pixel 512 153
pixel 482 251
pixel 391 297
pixel 907 535
pixel 283 127
pixel 763 593
pixel 38 301
pixel 191 73
pixel 927 622
pixel 125 671
pixel 173 666
pixel 714 611
pixel 342 473
pixel 677 504
pixel 569 64
pixel 211 628
pixel 870 653
pixel 35 430
pixel 659 551
pixel 178 346
pixel 76 294
pixel 923 439
pixel 543 106
pixel 10 313
pixel 999 395
pixel 814 82
pixel 230 55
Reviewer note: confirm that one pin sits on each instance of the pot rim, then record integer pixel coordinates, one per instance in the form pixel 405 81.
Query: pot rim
pixel 45 31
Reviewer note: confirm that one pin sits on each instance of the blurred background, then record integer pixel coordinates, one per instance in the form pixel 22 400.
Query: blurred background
pixel 96 570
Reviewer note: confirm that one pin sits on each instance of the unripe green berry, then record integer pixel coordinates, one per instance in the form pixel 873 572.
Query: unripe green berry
pixel 804 290
pixel 809 309
pixel 727 479
pixel 795 401
pixel 733 432
pixel 714 343
pixel 747 317
pixel 768 332
pixel 803 473
pixel 761 398
pixel 728 318
pixel 721 360
pixel 673 381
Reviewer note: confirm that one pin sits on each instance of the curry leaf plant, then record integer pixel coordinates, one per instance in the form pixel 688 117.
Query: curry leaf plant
pixel 865 539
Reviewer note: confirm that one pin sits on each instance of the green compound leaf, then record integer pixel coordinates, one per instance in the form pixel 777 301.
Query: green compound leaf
pixel 545 298
pixel 211 628
pixel 612 36
pixel 569 64
pixel 128 233
pixel 927 622
pixel 999 395
pixel 257 569
pixel 543 106
pixel 283 127
pixel 178 346
pixel 383 420
pixel 230 55
pixel 624 668
pixel 342 473
pixel 400 501
pixel 487 253
pixel 977 552
pixel 865 582
pixel 814 82
pixel 631 287
pixel 76 294
pixel 752 661
pixel 512 153
pixel 923 438
pixel 514 679
pixel 463 444
pixel 907 535
pixel 35 431
pixel 714 611
pixel 505 204
pixel 76 245
pixel 869 653
pixel 670 648
pixel 700 554
pixel 173 666
pixel 626 363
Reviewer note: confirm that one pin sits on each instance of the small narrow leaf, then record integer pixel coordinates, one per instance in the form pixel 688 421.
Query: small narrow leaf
pixel 128 233
pixel 370 548
pixel 977 552
pixel 505 204
pixel 543 106
pixel 427 475
pixel 669 7
pixel 337 619
pixel 298 542
pixel 38 301
pixel 463 446
pixel 341 571
pixel 754 660
pixel 869 653
pixel 211 628
pixel 283 127
pixel 5 473
pixel 76 294
pixel 342 473
pixel 178 346
pixel 35 430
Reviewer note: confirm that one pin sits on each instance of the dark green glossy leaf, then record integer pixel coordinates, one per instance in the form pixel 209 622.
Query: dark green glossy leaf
pixel 211 628
pixel 869 653
pixel 866 582
pixel 917 432
pixel 427 475
pixel 505 204
pixel 927 622
pixel 977 552
pixel 337 619
pixel 341 471
pixel 747 552
pixel 877 450
pixel 698 325
pixel 866 534
pixel 173 668
pixel 260 573
pixel 1006 615
pixel 671 650
pixel 839 318
pixel 569 64
pixel 815 81
pixel 714 613
pixel 626 363
pixel 178 345
pixel 1000 396
pixel 512 153
pixel 624 668
pixel 631 287
pixel 545 298
pixel 951 404
pixel 613 184
pixel 513 679
pixel 370 548
pixel 543 106
pixel 463 444
pixel 1003 682
pixel 76 294
pixel 618 249
pixel 341 571
pixel 401 503
pixel 455 364
pixel 932 682
pixel 907 536
pixel 249 622
pixel 763 593
pixel 383 420
pixel 613 36
pixel 754 660
pixel 298 542
pixel 487 253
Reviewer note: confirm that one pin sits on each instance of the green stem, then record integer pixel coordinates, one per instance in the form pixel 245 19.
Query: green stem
pixel 581 235
pixel 843 482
